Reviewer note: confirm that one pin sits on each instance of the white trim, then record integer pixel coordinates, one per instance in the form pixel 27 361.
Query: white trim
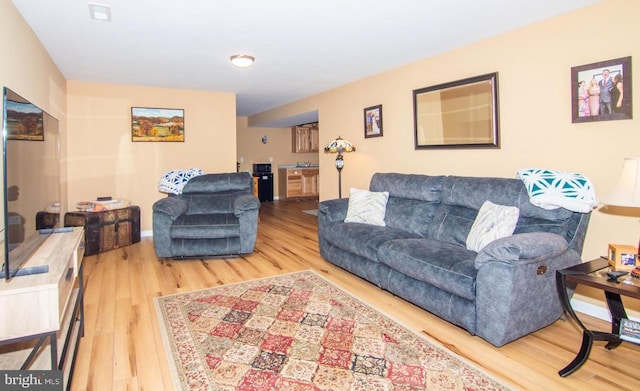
pixel 596 308
pixel 144 234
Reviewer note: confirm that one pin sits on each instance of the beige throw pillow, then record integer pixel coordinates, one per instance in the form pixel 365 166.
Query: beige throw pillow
pixel 367 207
pixel 492 222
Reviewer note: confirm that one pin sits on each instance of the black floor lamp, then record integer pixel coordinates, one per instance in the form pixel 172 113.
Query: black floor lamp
pixel 339 146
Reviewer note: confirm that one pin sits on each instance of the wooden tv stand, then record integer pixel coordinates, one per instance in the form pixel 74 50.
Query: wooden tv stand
pixel 43 313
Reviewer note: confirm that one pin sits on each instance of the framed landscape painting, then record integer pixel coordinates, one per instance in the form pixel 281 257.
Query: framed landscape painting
pixel 154 124
pixel 25 121
pixel 601 91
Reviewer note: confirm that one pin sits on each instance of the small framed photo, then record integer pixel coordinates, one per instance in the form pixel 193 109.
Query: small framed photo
pixel 373 121
pixel 601 91
pixel 152 124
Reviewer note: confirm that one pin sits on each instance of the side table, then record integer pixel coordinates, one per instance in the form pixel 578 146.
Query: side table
pixel 593 273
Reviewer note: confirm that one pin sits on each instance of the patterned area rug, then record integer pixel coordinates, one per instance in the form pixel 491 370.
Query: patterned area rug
pixel 300 332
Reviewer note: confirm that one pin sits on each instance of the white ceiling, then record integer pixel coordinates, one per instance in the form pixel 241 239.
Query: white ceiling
pixel 302 47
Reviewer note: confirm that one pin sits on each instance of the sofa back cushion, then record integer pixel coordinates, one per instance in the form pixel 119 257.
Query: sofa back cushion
pixel 215 193
pixel 413 200
pixel 462 197
pixel 215 183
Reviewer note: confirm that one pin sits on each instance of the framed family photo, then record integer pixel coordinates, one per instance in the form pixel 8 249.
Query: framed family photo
pixel 601 91
pixel 153 124
pixel 373 121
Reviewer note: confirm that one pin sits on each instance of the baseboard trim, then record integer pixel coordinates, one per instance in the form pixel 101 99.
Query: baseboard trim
pixel 596 308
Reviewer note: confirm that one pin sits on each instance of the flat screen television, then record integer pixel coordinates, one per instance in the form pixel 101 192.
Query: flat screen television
pixel 31 179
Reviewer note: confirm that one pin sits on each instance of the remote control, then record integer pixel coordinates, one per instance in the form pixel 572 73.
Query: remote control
pixel 614 275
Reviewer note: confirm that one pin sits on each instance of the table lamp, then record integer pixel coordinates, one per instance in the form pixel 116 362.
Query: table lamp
pixel 339 146
pixel 626 192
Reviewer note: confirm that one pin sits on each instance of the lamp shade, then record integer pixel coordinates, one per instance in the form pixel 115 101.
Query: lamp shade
pixel 626 192
pixel 339 145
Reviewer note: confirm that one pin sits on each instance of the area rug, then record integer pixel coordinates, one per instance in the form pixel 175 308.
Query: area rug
pixel 300 332
pixel 313 212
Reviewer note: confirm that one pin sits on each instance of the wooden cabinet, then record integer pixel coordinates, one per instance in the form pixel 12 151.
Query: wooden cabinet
pixel 298 183
pixel 304 139
pixel 44 312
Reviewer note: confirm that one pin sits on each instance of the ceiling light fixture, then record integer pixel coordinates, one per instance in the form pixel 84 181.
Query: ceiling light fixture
pixel 242 60
pixel 100 12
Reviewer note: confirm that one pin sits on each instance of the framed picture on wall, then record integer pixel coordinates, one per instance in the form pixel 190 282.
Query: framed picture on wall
pixel 373 121
pixel 601 91
pixel 153 124
pixel 457 114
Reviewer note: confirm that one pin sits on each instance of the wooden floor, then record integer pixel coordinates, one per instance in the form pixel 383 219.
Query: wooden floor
pixel 122 347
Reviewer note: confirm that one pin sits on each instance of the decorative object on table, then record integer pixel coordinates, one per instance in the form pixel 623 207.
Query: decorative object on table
pixel 298 331
pixel 373 121
pixel 626 192
pixel 152 124
pixel 107 230
pixel 174 180
pixel 601 91
pixel 102 205
pixel 622 257
pixel 458 114
pixel 551 189
pixel 339 146
pixel 630 330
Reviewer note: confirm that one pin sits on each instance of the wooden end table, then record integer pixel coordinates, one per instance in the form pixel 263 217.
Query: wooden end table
pixel 594 273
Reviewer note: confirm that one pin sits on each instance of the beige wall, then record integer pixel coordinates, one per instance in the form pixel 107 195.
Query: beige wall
pixel 27 69
pixel 278 147
pixel 534 66
pixel 103 161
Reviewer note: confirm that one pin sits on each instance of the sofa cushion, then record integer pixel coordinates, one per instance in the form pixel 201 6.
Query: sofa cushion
pixel 367 207
pixel 214 183
pixel 413 200
pixel 210 203
pixel 205 226
pixel 363 239
pixel 447 266
pixel 492 222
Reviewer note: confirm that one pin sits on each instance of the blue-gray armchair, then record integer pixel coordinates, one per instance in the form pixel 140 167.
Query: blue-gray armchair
pixel 216 215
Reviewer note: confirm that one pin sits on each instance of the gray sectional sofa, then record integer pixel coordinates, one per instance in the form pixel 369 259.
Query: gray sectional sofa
pixel 503 292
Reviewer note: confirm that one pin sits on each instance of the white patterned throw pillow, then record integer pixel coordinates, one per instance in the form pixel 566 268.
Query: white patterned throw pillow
pixel 367 207
pixel 173 181
pixel 492 222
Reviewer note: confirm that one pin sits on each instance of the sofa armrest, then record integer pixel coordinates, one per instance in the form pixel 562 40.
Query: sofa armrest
pixel 522 248
pixel 515 285
pixel 172 207
pixel 244 203
pixel 332 211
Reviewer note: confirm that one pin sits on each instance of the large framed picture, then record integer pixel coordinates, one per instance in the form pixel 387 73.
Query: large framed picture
pixel 601 91
pixel 153 124
pixel 373 121
pixel 458 114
